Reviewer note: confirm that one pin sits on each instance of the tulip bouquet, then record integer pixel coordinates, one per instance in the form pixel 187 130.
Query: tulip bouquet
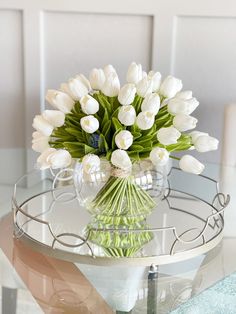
pixel 96 119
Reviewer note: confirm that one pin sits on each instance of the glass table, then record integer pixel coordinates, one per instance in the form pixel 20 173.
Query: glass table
pixel 39 283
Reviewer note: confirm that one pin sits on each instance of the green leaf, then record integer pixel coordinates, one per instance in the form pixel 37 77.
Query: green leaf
pixel 77 108
pixel 102 144
pixel 117 125
pixel 106 131
pixel 145 143
pixel 136 148
pixel 133 155
pixel 108 155
pixel 113 143
pixel 150 131
pixel 136 135
pixel 115 113
pixel 134 128
pixel 103 101
pixel 105 119
pixel 86 137
pixel 144 155
pixel 80 149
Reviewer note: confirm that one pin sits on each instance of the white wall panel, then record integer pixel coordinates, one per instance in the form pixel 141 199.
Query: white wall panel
pixel 12 140
pixel 204 57
pixel 11 80
pixel 75 43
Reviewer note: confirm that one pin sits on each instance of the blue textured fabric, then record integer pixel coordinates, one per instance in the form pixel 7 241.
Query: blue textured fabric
pixel 218 299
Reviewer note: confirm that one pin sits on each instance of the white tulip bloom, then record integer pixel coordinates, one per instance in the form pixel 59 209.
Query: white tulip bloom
pixel 176 106
pixel 145 120
pixel 97 78
pixel 111 86
pixel 55 117
pixel 168 136
pixel 89 105
pixel 89 124
pixel 159 156
pixel 124 139
pixel 205 143
pixel 52 158
pixel 195 134
pixel 61 158
pixel 40 142
pixel 127 115
pixel 144 87
pixel 156 80
pixel 120 159
pixel 151 103
pixel 60 100
pixel 190 164
pixel 144 74
pixel 90 163
pixel 170 86
pixel 76 87
pixel 134 74
pixel 42 125
pixel 127 94
pixel 83 79
pixel 183 122
pixel 187 94
pixel 108 69
pixel 43 160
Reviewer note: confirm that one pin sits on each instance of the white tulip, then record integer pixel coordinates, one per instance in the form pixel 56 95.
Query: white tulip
pixel 183 122
pixel 43 160
pixel 144 87
pixel 76 88
pixel 134 74
pixel 111 86
pixel 108 69
pixel 55 117
pixel 89 105
pixel 42 125
pixel 97 78
pixel 168 136
pixel 83 79
pixel 40 142
pixel 170 86
pixel 151 103
pixel 176 106
pixel 90 163
pixel 124 139
pixel 60 100
pixel 144 74
pixel 159 156
pixel 187 94
pixel 156 80
pixel 205 143
pixel 120 159
pixel 127 115
pixel 61 158
pixel 190 164
pixel 127 94
pixel 195 134
pixel 89 124
pixel 145 120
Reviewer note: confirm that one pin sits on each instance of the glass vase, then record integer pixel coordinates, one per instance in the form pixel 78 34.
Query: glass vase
pixel 119 202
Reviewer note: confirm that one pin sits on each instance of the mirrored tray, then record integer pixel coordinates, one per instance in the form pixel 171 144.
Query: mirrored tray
pixel 186 223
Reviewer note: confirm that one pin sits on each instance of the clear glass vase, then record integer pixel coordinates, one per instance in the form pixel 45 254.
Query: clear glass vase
pixel 119 202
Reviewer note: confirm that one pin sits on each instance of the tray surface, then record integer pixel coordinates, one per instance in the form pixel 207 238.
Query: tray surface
pixel 186 223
